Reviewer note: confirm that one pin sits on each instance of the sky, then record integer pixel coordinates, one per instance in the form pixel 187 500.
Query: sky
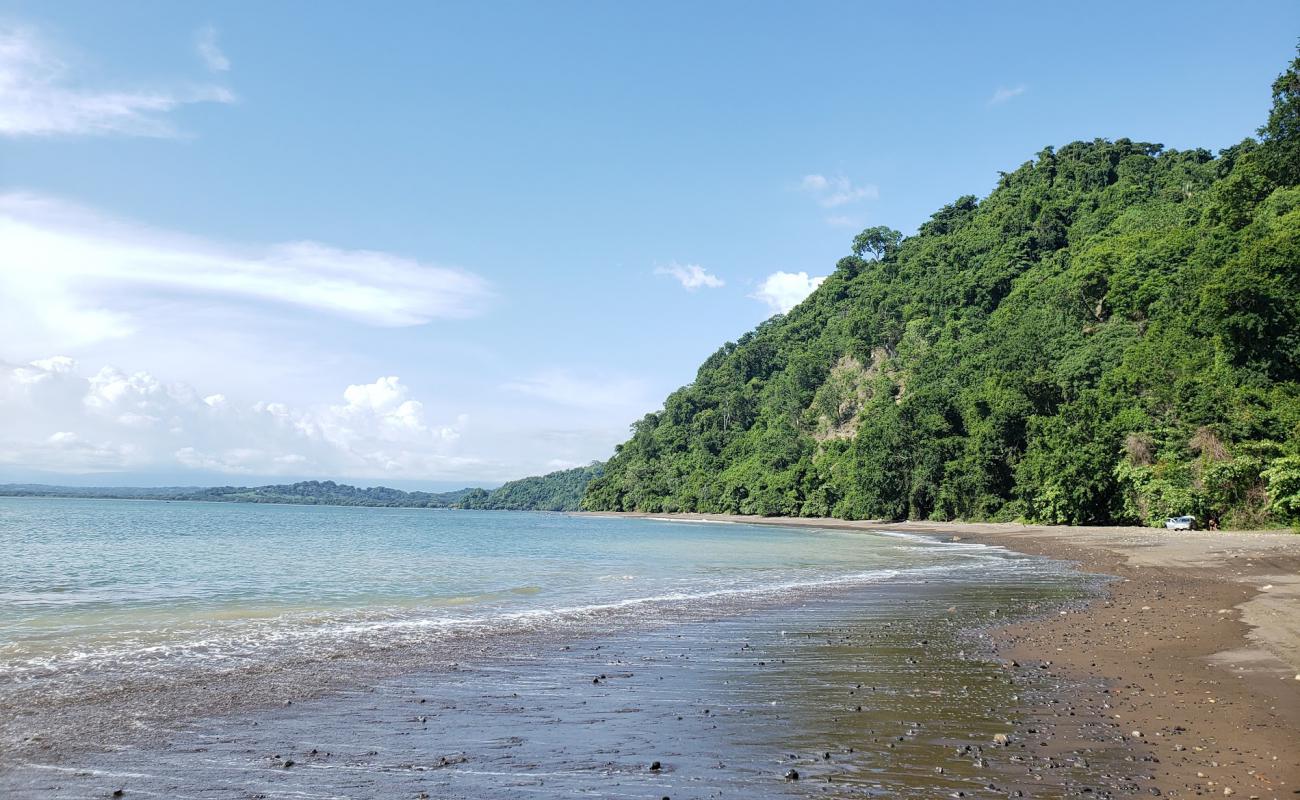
pixel 429 245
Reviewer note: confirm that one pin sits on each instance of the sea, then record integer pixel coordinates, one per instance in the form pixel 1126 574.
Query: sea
pixel 187 649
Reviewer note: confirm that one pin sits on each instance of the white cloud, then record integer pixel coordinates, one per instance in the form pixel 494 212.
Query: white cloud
pixel 142 428
pixel 815 183
pixel 843 221
pixel 73 277
pixel 205 42
pixel 691 276
pixel 55 420
pixel 1004 95
pixel 39 96
pixel 837 190
pixel 783 291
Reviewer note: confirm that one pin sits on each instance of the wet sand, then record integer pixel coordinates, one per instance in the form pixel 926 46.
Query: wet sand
pixel 1046 687
pixel 1190 662
pixel 878 692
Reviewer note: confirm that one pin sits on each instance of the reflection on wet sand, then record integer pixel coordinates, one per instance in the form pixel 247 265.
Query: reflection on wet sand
pixel 880 691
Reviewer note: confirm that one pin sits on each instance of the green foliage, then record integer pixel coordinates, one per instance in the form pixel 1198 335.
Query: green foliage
pixel 879 241
pixel 1281 133
pixel 302 493
pixel 1112 335
pixel 1283 478
pixel 556 491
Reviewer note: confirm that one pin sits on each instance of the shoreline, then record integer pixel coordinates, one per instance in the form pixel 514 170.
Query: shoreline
pixel 1190 659
pixel 729 703
pixel 1173 676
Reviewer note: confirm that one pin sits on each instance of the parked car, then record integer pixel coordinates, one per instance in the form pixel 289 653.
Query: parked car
pixel 1180 523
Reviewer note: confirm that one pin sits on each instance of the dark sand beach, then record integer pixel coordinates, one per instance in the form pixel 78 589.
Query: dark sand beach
pixel 1176 678
pixel 1189 662
pixel 888 694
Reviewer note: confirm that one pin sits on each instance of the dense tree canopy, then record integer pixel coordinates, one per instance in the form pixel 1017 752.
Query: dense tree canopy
pixel 555 491
pixel 1112 335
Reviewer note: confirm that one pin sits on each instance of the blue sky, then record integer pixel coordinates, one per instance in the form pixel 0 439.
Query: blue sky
pixel 511 228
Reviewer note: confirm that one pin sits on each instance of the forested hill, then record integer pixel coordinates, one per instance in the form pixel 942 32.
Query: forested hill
pixel 1110 336
pixel 301 493
pixel 555 491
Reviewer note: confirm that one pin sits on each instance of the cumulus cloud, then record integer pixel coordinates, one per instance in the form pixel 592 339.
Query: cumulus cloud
pixel 1005 95
pixel 837 190
pixel 205 42
pixel 41 96
pixel 691 276
pixel 73 276
pixel 56 420
pixel 783 291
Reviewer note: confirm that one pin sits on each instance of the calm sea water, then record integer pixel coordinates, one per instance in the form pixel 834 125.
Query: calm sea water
pixel 185 649
pixel 106 586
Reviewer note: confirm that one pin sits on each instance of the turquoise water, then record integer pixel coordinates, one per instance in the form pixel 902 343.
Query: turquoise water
pixel 111 594
pixel 155 645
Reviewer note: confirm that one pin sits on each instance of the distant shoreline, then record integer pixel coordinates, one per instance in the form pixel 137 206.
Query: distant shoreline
pixel 554 491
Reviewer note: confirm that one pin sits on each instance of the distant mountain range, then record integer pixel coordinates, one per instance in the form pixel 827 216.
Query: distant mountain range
pixel 556 491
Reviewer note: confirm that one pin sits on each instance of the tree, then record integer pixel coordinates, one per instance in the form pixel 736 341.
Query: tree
pixel 879 241
pixel 1281 134
pixel 1059 351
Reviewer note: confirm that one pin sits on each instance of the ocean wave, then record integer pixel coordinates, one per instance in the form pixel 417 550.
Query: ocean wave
pixel 222 643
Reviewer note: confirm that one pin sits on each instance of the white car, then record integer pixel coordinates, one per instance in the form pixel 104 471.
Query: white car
pixel 1180 523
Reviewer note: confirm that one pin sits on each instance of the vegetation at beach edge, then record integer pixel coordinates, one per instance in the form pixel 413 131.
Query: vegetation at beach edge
pixel 1112 335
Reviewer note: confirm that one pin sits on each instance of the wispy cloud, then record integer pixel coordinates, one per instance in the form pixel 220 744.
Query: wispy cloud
pixel 782 291
pixel 206 44
pixel 837 190
pixel 40 96
pixel 691 276
pixel 73 276
pixel 603 392
pixel 1006 95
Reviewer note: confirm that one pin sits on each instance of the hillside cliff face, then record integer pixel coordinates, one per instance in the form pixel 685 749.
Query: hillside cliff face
pixel 1112 335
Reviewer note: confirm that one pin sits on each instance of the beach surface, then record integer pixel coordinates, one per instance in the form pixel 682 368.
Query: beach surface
pixel 1190 659
pixel 192 650
pixel 676 656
